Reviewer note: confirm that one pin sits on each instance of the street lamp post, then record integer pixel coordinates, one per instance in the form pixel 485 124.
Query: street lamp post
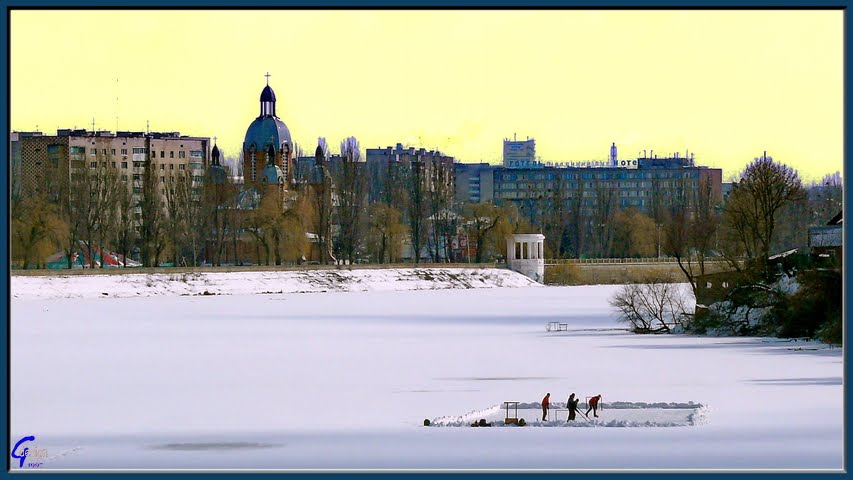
pixel 659 252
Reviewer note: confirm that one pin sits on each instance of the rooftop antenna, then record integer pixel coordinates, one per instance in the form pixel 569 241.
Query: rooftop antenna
pixel 93 125
pixel 116 104
pixel 147 127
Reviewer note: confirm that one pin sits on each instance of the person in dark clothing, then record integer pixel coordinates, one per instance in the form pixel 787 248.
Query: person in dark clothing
pixel 593 405
pixel 572 405
pixel 546 403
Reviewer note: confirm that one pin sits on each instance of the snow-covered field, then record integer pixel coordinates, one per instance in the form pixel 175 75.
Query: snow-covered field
pixel 344 380
pixel 234 283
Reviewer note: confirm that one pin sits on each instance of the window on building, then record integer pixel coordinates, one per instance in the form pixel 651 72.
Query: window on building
pixel 182 154
pixel 162 179
pixel 196 154
pixel 112 151
pixel 53 149
pixel 171 154
pixel 93 164
pixel 124 151
pixel 137 178
pixel 78 150
pixel 162 166
pixel 182 166
pixel 162 154
pixel 93 151
pixel 124 178
pixel 171 166
pixel 114 164
pixel 140 150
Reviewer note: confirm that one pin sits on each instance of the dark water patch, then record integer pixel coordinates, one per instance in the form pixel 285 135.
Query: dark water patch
pixel 212 446
pixel 797 381
pixel 494 379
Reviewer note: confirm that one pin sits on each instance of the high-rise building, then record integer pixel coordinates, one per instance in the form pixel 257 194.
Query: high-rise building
pixel 45 160
pixel 519 154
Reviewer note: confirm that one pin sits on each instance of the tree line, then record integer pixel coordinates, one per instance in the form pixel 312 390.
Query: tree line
pixel 409 211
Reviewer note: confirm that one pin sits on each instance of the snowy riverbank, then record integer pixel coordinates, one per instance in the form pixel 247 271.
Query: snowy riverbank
pixel 242 283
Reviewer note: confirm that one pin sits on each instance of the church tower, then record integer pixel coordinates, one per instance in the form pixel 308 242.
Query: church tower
pixel 267 133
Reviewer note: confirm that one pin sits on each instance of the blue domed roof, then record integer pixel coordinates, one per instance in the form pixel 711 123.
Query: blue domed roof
pixel 267 95
pixel 265 131
pixel 272 175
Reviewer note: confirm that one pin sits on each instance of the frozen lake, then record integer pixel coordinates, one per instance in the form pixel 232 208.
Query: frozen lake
pixel 344 380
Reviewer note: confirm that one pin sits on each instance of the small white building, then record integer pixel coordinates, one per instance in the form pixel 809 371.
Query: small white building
pixel 526 255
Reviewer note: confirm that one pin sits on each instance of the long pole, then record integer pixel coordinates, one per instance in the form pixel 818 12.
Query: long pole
pixel 658 240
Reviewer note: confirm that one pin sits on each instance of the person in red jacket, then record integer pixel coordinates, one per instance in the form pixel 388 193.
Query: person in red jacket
pixel 546 403
pixel 593 405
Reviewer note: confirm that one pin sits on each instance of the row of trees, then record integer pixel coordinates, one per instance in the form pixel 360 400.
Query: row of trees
pixel 162 215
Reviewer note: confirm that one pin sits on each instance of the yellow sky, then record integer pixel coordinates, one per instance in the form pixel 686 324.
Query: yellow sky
pixel 723 84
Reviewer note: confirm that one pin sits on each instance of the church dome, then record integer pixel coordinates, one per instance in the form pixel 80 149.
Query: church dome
pixel 216 170
pixel 214 154
pixel 265 131
pixel 272 175
pixel 267 95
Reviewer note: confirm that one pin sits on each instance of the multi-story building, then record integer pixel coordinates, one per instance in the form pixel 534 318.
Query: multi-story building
pixel 475 182
pixel 15 159
pixel 47 160
pixel 643 184
pixel 387 167
pixel 519 153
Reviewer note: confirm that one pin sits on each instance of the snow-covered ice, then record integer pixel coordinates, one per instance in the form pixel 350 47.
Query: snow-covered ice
pixel 120 284
pixel 344 380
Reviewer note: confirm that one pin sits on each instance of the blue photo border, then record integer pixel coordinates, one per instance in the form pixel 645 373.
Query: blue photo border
pixel 6 6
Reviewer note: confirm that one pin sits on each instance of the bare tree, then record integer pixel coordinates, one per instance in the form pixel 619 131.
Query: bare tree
pixel 480 220
pixel 577 219
pixel 386 232
pixel 323 207
pixel 125 231
pixel 415 181
pixel 602 220
pixel 556 216
pixel 349 181
pixel 654 306
pixel 440 199
pixel 153 239
pixel 753 205
pixel 690 229
pixel 826 198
